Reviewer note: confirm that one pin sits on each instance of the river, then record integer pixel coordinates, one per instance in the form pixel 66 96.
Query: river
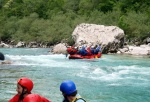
pixel 111 78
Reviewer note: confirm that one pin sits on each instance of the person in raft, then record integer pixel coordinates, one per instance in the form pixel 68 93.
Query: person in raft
pixel 69 92
pixel 24 87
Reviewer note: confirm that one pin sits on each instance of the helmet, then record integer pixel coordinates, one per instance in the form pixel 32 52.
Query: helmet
pixel 2 57
pixel 92 46
pixel 32 98
pixel 67 87
pixel 27 83
pixel 75 47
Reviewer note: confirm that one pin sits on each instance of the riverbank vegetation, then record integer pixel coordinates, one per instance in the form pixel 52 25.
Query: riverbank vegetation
pixel 53 21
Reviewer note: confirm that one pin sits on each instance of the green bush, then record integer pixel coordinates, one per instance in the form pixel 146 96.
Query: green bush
pixel 53 21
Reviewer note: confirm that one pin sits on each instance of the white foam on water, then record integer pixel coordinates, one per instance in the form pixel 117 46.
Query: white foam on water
pixel 34 60
pixel 114 84
pixel 85 68
pixel 53 60
pixel 117 73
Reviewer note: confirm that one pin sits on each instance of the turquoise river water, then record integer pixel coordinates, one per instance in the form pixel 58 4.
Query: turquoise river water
pixel 112 78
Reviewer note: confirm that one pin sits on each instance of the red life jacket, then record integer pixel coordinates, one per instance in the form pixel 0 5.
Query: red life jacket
pixel 44 99
pixel 16 99
pixel 71 50
pixel 88 51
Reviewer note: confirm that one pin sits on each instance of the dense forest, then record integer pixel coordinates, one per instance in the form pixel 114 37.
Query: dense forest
pixel 53 21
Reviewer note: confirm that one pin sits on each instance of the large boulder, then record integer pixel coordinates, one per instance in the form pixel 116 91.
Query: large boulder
pixel 60 48
pixel 109 37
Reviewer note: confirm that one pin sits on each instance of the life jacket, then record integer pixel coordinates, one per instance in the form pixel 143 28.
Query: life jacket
pixel 83 51
pixel 98 49
pixel 44 99
pixel 78 98
pixel 88 51
pixel 71 50
pixel 14 99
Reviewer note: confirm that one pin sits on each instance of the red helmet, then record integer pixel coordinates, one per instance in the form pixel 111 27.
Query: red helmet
pixel 32 98
pixel 27 83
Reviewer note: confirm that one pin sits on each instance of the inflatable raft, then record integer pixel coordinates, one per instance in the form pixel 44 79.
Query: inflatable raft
pixel 78 56
pixel 83 53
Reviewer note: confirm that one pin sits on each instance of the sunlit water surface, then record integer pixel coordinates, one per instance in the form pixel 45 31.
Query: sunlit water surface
pixel 112 78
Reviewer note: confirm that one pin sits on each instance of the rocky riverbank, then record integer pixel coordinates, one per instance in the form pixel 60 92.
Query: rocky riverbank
pixel 22 44
pixel 110 38
pixel 142 50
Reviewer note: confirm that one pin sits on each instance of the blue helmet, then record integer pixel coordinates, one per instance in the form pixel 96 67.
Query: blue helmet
pixel 67 87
